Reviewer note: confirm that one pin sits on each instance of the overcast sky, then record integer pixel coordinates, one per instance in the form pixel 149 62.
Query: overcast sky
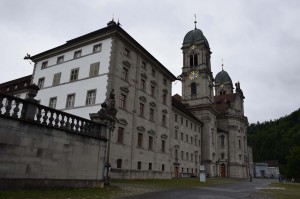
pixel 259 40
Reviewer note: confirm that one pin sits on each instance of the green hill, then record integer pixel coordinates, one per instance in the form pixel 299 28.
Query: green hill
pixel 278 140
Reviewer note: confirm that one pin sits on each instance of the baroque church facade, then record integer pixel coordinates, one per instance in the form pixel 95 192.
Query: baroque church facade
pixel 157 135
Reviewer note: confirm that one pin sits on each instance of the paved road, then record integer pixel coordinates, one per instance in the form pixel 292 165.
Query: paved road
pixel 244 189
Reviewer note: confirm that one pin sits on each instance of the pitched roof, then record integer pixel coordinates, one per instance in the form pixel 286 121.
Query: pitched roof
pixel 176 103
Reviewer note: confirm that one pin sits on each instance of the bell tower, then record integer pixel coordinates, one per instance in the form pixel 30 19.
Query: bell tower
pixel 197 93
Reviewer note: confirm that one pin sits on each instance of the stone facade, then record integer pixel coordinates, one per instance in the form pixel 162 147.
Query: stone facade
pixel 157 135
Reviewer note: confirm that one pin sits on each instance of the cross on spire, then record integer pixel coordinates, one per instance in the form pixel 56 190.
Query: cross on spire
pixel 195 21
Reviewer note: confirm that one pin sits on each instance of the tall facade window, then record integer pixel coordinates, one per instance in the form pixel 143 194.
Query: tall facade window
pixel 181 120
pixel 119 163
pixel 164 120
pixel 139 165
pixel 94 69
pixel 187 138
pixel 187 156
pixel 176 135
pixel 165 81
pixel 152 91
pixel 193 89
pixel 153 72
pixel 120 138
pixel 74 74
pixel 127 52
pixel 163 146
pixel 176 117
pixel 143 84
pixel 123 101
pixel 141 109
pixel 41 82
pixel 192 157
pixel 91 97
pixel 144 66
pixel 163 167
pixel 182 157
pixel 77 54
pixel 124 74
pixel 150 166
pixel 60 60
pixel 240 144
pixel 44 64
pixel 164 99
pixel 151 114
pixel 56 79
pixel 52 102
pixel 193 60
pixel 222 140
pixel 70 101
pixel 181 136
pixel 176 153
pixel 150 145
pixel 97 48
pixel 140 140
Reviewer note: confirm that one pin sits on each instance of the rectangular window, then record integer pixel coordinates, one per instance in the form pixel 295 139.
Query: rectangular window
pixel 60 60
pixel 176 153
pixel 144 65
pixel 94 69
pixel 150 166
pixel 125 74
pixel 140 140
pixel 176 117
pixel 123 101
pixel 186 138
pixel 139 165
pixel 119 163
pixel 164 99
pixel 143 84
pixel 127 52
pixel 74 74
pixel 153 72
pixel 151 114
pixel 182 157
pixel 181 136
pixel 186 123
pixel 192 157
pixel 150 146
pixel 97 48
pixel 120 137
pixel 165 81
pixel 56 79
pixel 191 125
pixel 52 102
pixel 163 167
pixel 77 54
pixel 181 120
pixel 152 91
pixel 164 120
pixel 176 134
pixel 41 82
pixel 70 101
pixel 90 97
pixel 141 109
pixel 44 64
pixel 187 156
pixel 163 146
pixel 191 140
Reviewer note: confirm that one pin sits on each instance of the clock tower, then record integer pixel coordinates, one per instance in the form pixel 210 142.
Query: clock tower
pixel 197 93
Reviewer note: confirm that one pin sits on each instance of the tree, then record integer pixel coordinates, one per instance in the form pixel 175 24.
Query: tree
pixel 293 162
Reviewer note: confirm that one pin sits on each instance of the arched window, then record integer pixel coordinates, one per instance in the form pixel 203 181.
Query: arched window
pixel 193 60
pixel 193 89
pixel 222 92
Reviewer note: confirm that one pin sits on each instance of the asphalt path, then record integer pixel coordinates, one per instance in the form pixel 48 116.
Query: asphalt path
pixel 239 190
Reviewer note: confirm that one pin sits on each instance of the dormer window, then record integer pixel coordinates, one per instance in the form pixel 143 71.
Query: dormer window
pixel 60 60
pixel 77 54
pixel 193 60
pixel 44 64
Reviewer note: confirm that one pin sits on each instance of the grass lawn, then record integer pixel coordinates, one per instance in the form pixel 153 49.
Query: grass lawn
pixel 283 190
pixel 113 191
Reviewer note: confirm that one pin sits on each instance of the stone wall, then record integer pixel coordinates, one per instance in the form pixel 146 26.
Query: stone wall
pixel 61 150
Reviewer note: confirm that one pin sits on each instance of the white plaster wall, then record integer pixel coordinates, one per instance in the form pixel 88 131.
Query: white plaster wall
pixel 80 86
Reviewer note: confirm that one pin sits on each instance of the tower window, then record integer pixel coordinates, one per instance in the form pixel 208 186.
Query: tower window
pixel 193 89
pixel 193 60
pixel 222 92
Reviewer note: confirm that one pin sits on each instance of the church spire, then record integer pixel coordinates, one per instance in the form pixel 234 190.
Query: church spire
pixel 195 21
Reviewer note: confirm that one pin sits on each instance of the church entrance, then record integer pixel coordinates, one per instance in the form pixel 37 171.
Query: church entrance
pixel 176 171
pixel 223 170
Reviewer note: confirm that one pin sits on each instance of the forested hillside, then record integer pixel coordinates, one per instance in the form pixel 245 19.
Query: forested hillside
pixel 278 140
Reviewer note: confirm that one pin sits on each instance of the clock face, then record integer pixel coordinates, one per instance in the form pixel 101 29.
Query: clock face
pixel 193 75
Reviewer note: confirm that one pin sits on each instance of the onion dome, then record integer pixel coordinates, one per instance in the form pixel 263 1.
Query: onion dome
pixel 193 36
pixel 222 77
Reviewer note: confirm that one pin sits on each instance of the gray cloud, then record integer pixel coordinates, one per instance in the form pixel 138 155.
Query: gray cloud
pixel 259 40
